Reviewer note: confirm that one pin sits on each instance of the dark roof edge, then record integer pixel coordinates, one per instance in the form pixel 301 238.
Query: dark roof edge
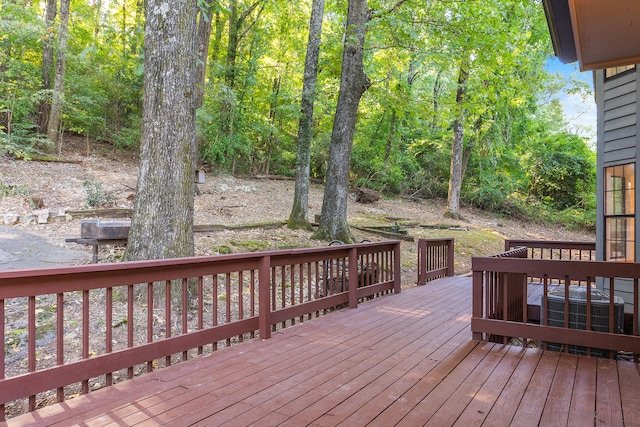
pixel 561 30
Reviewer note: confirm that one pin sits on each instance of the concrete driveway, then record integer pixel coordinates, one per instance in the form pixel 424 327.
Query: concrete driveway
pixel 21 250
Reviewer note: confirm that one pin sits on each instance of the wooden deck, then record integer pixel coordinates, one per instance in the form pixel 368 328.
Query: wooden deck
pixel 405 359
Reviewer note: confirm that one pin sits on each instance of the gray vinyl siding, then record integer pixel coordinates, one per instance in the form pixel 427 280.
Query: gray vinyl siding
pixel 618 101
pixel 619 119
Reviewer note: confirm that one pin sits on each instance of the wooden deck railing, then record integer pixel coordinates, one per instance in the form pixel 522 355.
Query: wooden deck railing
pixel 579 329
pixel 72 330
pixel 555 249
pixel 435 259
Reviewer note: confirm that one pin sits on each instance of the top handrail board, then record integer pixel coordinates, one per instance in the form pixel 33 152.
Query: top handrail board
pixel 33 282
pixel 550 244
pixel 555 268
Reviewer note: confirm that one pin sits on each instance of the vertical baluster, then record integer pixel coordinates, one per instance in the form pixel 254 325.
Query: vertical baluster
pixel 31 358
pixel 292 286
pixel 200 308
pixel 130 325
pixel 636 295
pixel 3 349
pixel 185 309
pixel 545 304
pixel 525 311
pixel 420 262
pixel 85 335
pixel 273 293
pixel 167 315
pixel 612 312
pixel 300 284
pixel 318 285
pixel 309 289
pixel 31 346
pixel 59 339
pixel 566 307
pixel 108 345
pixel 588 302
pixel 150 322
pixel 252 290
pixel 240 300
pixel 283 290
pixel 214 307
pixel 228 302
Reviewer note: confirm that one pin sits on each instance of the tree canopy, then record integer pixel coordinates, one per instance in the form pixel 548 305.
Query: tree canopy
pixel 250 109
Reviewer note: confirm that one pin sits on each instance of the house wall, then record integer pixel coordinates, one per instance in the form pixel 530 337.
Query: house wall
pixel 617 100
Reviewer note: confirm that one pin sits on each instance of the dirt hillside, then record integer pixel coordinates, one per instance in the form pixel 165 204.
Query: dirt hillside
pixel 109 177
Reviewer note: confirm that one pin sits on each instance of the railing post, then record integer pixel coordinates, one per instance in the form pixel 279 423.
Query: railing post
pixel 477 300
pixel 264 305
pixel 353 277
pixel 396 268
pixel 450 258
pixel 422 264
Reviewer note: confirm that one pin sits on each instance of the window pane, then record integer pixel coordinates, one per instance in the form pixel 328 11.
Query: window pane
pixel 620 240
pixel 620 190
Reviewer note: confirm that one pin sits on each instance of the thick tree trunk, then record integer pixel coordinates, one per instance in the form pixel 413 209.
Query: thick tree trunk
pixel 58 80
pixel 353 83
pixel 44 109
pixel 455 176
pixel 162 224
pixel 299 217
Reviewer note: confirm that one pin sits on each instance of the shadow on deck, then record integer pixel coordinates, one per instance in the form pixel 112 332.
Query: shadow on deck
pixel 404 359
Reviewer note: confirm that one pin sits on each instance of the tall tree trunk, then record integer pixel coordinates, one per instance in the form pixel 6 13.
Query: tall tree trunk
pixel 392 135
pixel 236 23
pixel 353 83
pixel 58 80
pixel 437 88
pixel 162 224
pixel 202 41
pixel 455 176
pixel 299 217
pixel 232 44
pixel 47 65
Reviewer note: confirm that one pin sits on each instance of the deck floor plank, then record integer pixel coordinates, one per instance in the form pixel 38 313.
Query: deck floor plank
pixel 608 394
pixel 535 396
pixel 583 399
pixel 629 379
pixel 503 410
pixel 436 396
pixel 487 396
pixel 459 400
pixel 559 398
pixel 367 366
pixel 396 391
pixel 405 359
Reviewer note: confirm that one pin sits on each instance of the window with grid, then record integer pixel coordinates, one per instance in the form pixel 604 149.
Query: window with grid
pixel 619 212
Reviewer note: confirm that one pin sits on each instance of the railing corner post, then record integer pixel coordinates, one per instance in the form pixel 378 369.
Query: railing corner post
pixel 264 305
pixel 451 258
pixel 477 299
pixel 396 269
pixel 422 263
pixel 353 277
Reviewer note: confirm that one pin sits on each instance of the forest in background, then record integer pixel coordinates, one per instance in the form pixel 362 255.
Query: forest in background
pixel 438 69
